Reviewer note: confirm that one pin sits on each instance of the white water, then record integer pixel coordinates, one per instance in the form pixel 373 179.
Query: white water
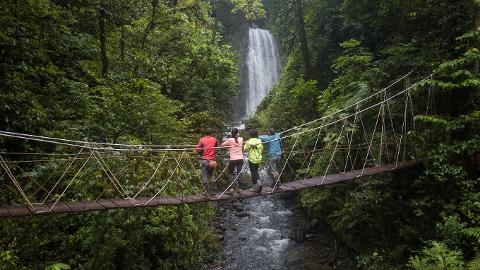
pixel 263 66
pixel 261 240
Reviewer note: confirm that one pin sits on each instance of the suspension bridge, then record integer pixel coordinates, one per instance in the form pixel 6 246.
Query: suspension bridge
pixel 81 176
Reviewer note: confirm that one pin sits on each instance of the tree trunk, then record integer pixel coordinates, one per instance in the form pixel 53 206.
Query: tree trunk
pixel 122 44
pixel 103 49
pixel 216 26
pixel 477 29
pixel 302 37
pixel 151 24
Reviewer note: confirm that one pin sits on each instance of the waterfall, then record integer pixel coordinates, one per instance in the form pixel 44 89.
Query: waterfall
pixel 263 66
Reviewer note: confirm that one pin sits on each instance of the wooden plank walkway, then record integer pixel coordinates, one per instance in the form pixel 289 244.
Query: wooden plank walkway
pixel 105 204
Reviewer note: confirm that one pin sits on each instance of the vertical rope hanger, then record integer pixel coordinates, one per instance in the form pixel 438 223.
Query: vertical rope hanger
pixel 409 109
pixel 334 162
pixel 350 142
pixel 15 182
pixel 70 182
pixel 168 180
pixel 313 151
pixel 109 174
pixel 334 150
pixel 371 142
pixel 382 133
pixel 62 176
pixel 403 134
pixel 233 181
pixel 306 155
pixel 393 128
pixel 284 165
pixel 429 94
pixel 185 180
pixel 409 106
pixel 151 177
pixel 40 186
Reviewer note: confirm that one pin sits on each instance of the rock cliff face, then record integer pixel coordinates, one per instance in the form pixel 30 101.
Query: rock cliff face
pixel 235 30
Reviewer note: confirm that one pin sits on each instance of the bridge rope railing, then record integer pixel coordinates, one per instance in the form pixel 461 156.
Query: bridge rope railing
pixel 172 147
pixel 335 144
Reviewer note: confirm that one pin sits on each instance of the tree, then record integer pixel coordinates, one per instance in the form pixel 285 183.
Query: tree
pixel 102 38
pixel 302 37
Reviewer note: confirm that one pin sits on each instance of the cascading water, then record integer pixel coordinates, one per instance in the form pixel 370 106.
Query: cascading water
pixel 263 66
pixel 259 229
pixel 262 233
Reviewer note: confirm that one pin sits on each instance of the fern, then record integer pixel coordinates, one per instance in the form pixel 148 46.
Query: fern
pixel 473 233
pixel 474 264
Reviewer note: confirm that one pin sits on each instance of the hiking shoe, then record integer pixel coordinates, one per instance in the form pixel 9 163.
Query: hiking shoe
pixel 232 192
pixel 256 188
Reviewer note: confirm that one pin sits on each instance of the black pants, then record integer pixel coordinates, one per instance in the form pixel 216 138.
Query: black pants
pixel 254 171
pixel 235 164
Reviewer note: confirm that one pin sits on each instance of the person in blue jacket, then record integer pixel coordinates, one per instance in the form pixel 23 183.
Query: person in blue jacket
pixel 274 151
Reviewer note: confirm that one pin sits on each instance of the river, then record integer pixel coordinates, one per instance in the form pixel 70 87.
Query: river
pixel 270 232
pixel 266 233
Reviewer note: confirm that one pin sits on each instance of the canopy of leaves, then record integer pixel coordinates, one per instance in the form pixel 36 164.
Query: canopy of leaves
pixel 357 48
pixel 125 71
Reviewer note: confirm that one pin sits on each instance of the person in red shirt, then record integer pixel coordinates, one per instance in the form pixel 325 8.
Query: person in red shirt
pixel 206 149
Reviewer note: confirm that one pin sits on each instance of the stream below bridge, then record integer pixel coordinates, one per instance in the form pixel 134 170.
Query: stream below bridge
pixel 270 232
pixel 264 233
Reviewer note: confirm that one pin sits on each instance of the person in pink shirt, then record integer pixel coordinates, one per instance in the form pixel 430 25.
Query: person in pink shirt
pixel 235 164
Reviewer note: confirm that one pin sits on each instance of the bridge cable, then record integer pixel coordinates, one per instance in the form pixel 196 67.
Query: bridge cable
pixel 350 106
pixel 371 141
pixel 334 150
pixel 75 143
pixel 70 183
pixel 14 180
pixel 151 177
pixel 281 172
pixel 168 180
pixel 313 151
pixel 350 143
pixel 109 174
pixel 62 176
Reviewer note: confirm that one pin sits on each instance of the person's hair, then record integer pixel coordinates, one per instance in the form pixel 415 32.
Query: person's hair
pixel 208 131
pixel 253 133
pixel 235 134
pixel 271 131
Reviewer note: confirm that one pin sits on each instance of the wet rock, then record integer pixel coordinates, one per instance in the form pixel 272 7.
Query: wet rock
pixel 242 214
pixel 220 226
pixel 313 223
pixel 237 207
pixel 300 235
pixel 331 259
pixel 323 259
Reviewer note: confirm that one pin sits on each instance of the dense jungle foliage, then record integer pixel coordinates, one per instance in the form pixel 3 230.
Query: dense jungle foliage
pixel 159 71
pixel 338 51
pixel 153 72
